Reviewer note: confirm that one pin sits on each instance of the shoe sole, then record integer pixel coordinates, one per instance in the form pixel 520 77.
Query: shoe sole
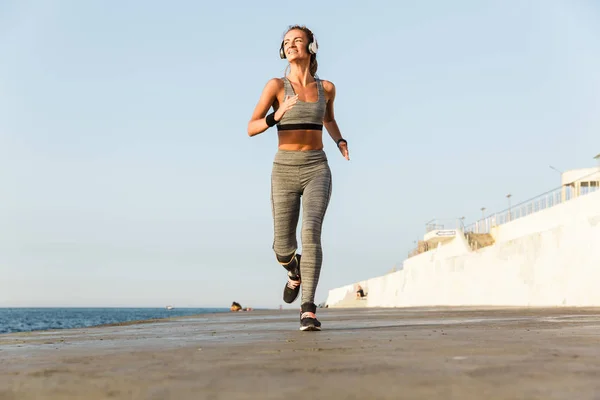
pixel 310 328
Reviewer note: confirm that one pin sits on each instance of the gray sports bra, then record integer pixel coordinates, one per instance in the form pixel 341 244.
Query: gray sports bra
pixel 304 115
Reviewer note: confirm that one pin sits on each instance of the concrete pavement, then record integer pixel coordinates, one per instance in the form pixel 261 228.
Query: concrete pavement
pixel 411 353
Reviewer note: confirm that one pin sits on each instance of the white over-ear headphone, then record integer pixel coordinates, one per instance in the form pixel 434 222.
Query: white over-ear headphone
pixel 313 48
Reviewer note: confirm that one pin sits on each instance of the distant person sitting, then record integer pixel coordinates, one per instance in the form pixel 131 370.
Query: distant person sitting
pixel 235 306
pixel 360 293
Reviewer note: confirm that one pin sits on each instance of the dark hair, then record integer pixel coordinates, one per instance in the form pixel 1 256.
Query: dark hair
pixel 314 65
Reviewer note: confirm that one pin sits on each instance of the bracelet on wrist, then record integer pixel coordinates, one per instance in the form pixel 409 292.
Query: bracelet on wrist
pixel 341 140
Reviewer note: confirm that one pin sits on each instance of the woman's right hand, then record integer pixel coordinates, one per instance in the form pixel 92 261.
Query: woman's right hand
pixel 289 102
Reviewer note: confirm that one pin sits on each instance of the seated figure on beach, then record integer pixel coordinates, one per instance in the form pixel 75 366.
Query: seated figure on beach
pixel 360 293
pixel 235 306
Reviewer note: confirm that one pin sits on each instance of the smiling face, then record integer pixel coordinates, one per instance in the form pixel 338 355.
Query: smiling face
pixel 295 45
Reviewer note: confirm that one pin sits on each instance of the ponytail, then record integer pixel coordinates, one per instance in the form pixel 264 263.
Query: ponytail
pixel 314 65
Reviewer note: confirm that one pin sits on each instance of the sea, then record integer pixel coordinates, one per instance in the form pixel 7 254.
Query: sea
pixel 40 319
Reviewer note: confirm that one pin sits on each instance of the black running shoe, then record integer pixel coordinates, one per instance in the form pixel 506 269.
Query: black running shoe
pixel 308 319
pixel 292 287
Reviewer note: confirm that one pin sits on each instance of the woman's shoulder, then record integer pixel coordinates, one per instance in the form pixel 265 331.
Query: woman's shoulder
pixel 274 85
pixel 328 86
pixel 275 82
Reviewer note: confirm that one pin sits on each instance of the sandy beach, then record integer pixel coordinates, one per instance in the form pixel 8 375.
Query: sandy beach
pixel 413 353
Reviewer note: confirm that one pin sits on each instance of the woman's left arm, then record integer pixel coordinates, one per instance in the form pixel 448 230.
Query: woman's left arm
pixel 330 122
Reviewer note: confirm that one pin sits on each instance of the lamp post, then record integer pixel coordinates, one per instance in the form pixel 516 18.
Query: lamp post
pixel 481 229
pixel 557 170
pixel 508 196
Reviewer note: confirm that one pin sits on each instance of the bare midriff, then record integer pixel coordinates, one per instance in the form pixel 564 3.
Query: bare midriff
pixel 300 140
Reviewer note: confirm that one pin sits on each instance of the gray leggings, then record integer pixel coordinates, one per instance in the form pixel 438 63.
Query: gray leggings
pixel 296 175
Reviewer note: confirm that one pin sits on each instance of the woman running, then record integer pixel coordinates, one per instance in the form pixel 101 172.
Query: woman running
pixel 302 104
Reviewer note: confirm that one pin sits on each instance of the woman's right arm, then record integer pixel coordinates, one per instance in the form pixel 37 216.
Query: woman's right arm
pixel 268 98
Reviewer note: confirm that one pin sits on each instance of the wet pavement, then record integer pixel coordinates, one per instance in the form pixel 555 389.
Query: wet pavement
pixel 413 353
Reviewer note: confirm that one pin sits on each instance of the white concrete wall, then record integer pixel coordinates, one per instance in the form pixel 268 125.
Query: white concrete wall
pixel 550 258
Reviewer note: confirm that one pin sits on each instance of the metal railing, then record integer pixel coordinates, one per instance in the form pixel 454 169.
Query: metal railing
pixel 444 223
pixel 541 202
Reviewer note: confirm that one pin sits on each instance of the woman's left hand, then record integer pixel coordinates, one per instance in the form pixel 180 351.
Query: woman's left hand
pixel 343 146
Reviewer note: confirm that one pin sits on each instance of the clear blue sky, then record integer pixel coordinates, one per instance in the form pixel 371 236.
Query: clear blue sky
pixel 127 177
